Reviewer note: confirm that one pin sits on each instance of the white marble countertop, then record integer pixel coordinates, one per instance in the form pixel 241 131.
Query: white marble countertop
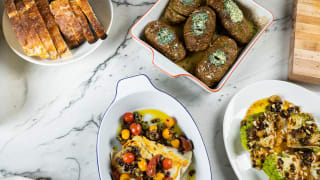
pixel 49 116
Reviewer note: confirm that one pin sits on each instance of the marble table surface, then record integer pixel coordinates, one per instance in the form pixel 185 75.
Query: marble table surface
pixel 49 116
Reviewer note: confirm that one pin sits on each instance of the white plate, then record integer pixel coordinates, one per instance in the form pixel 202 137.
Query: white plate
pixel 237 108
pixel 259 14
pixel 103 10
pixel 136 93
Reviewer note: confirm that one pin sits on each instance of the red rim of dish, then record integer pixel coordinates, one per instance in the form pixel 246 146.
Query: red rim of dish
pixel 192 76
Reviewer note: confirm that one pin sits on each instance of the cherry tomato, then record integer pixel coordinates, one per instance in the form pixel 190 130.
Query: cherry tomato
pixel 167 164
pixel 142 164
pixel 128 117
pixel 125 134
pixel 169 122
pixel 159 176
pixel 128 158
pixel 168 178
pixel 175 143
pixel 167 133
pixel 152 165
pixel 135 129
pixel 125 177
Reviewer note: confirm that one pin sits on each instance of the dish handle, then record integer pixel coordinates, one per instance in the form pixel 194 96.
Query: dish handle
pixel 134 84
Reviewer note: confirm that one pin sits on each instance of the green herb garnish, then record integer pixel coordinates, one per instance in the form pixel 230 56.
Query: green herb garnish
pixel 199 21
pixel 187 2
pixel 233 10
pixel 218 58
pixel 165 36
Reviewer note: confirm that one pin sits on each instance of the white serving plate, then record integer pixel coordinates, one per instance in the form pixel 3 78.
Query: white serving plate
pixel 237 108
pixel 136 93
pixel 260 15
pixel 104 12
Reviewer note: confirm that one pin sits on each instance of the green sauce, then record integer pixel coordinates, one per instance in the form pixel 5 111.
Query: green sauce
pixel 233 10
pixel 218 58
pixel 187 2
pixel 165 36
pixel 199 21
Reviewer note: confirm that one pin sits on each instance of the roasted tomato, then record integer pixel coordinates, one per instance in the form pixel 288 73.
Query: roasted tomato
pixel 135 129
pixel 128 117
pixel 167 164
pixel 128 158
pixel 152 165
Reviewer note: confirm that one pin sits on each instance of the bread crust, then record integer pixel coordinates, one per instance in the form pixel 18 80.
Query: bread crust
pixel 67 22
pixel 95 24
pixel 32 36
pixel 88 34
pixel 41 28
pixel 60 44
pixel 19 30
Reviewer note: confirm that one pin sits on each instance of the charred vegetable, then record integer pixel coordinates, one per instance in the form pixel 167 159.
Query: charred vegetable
pixel 162 37
pixel 217 60
pixel 178 10
pixel 199 29
pixel 233 20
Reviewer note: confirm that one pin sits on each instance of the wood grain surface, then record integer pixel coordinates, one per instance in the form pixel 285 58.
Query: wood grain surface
pixel 304 62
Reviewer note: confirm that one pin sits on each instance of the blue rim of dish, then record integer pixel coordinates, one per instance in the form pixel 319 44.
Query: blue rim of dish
pixel 115 96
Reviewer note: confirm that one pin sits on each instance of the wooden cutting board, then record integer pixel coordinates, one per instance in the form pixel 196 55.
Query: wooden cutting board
pixel 304 62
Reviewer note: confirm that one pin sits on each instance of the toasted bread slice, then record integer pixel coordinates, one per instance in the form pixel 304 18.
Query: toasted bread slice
pixel 96 25
pixel 28 24
pixel 75 23
pixel 88 34
pixel 41 28
pixel 67 22
pixel 16 23
pixel 53 29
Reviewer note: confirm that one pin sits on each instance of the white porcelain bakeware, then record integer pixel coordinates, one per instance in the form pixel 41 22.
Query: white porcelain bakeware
pixel 136 93
pixel 259 14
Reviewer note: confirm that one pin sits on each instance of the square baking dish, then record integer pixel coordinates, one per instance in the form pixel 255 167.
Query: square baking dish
pixel 260 15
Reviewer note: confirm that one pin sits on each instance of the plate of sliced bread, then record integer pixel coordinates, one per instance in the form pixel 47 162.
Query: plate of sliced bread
pixel 56 32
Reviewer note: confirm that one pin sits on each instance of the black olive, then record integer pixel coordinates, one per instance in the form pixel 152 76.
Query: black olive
pixel 192 172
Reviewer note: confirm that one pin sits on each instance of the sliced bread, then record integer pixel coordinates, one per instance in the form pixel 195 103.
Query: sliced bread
pixel 53 29
pixel 41 28
pixel 67 22
pixel 27 22
pixel 96 25
pixel 83 22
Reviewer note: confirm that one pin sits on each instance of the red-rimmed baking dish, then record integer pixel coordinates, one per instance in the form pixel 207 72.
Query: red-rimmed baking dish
pixel 260 15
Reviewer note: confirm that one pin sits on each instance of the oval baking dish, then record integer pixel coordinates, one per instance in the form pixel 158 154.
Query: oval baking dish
pixel 136 93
